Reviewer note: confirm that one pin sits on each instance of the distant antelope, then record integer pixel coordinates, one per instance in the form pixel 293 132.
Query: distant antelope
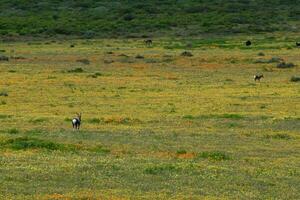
pixel 258 77
pixel 298 44
pixel 148 42
pixel 76 121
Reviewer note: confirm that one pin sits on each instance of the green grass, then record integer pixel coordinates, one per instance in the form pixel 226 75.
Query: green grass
pixel 216 155
pixel 160 169
pixel 163 127
pixel 24 143
pixel 13 131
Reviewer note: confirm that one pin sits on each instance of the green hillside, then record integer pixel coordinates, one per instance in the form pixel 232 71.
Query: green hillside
pixel 100 18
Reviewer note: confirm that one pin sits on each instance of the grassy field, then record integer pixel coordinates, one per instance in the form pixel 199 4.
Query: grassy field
pixel 156 124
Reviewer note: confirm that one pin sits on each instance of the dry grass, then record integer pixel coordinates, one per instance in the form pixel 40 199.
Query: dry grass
pixel 161 127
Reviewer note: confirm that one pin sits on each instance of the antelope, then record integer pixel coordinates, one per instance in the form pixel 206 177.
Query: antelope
pixel 76 121
pixel 148 42
pixel 258 77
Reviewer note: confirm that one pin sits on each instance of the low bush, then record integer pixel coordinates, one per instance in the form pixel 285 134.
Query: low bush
pixel 181 151
pixel 295 79
pixel 139 57
pixel 5 116
pixel 4 58
pixel 3 94
pixel 285 65
pixel 271 60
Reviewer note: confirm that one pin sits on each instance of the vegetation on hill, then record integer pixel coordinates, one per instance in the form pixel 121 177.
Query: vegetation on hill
pixel 101 18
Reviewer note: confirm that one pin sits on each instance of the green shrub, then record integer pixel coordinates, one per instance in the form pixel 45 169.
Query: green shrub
pixel 188 117
pixel 139 57
pixel 181 151
pixel 3 94
pixel 295 79
pixel 5 116
pixel 24 143
pixel 4 58
pixel 285 65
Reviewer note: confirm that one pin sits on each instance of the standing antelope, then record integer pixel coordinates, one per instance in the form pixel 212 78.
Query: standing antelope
pixel 76 121
pixel 148 42
pixel 258 77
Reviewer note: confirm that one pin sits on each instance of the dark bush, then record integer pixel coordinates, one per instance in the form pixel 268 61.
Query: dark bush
pixel 13 131
pixel 295 79
pixel 139 57
pixel 285 65
pixel 4 94
pixel 271 60
pixel 4 58
pixel 181 151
